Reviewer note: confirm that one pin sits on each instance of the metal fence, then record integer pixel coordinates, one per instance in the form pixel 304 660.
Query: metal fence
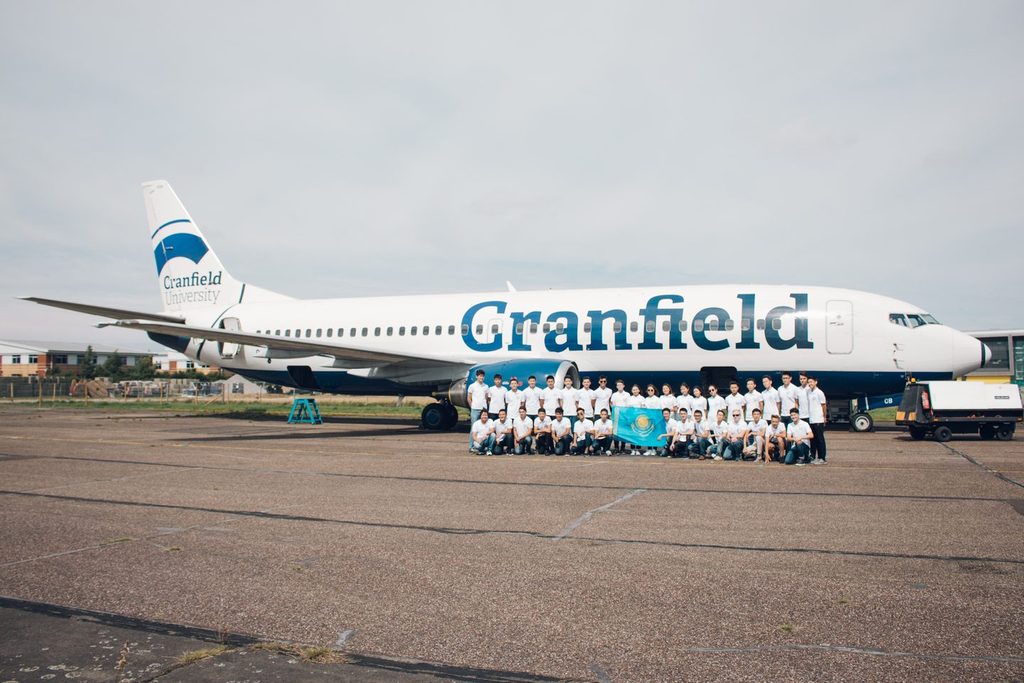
pixel 45 389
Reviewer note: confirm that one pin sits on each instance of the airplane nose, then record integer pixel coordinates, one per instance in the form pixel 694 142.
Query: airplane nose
pixel 969 354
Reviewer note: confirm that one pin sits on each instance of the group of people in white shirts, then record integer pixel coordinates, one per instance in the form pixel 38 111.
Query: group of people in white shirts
pixel 784 424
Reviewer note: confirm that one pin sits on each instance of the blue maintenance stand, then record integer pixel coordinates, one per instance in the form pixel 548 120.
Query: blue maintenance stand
pixel 304 410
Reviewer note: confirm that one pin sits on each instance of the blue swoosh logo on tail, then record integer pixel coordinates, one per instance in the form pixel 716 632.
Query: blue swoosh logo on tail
pixel 179 245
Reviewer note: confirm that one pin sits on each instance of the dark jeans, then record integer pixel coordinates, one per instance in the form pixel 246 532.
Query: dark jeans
pixel 818 440
pixel 544 444
pixel 582 445
pixel 502 443
pixel 563 444
pixel 603 443
pixel 732 449
pixel 699 446
pixel 524 445
pixel 798 452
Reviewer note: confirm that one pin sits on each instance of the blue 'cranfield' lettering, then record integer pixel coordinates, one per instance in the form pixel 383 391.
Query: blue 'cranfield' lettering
pixel 710 328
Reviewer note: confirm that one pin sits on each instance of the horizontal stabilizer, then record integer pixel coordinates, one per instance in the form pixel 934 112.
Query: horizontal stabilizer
pixel 104 311
pixel 309 346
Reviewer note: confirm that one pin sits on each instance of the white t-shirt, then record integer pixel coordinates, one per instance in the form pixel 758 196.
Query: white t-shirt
pixel 477 396
pixel 798 430
pixel 804 403
pixel 670 425
pixel 685 401
pixel 701 428
pixel 523 426
pixel 585 397
pixel 542 423
pixel 788 397
pixel 531 396
pixel 496 399
pixel 602 399
pixel 620 399
pixel 502 428
pixel 736 429
pixel 753 399
pixel 513 399
pixel 560 428
pixel 481 430
pixel 684 429
pixel 635 401
pixel 735 403
pixel 569 396
pixel 715 403
pixel 668 401
pixel 583 427
pixel 549 395
pixel 652 402
pixel 604 427
pixel 699 403
pixel 771 402
pixel 720 429
pixel 757 428
pixel 816 405
pixel 772 432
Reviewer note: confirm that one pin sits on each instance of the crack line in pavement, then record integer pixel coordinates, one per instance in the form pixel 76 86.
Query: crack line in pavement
pixel 487 482
pixel 457 531
pixel 977 463
pixel 852 650
pixel 582 519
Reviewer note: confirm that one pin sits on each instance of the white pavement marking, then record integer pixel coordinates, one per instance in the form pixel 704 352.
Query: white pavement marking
pixel 582 519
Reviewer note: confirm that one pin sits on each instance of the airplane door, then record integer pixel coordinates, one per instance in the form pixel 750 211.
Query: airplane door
pixel 839 335
pixel 227 349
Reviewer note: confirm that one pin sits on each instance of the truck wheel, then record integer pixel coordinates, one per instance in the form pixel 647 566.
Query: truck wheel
pixel 862 422
pixel 433 416
pixel 917 433
pixel 942 434
pixel 987 432
pixel 1004 432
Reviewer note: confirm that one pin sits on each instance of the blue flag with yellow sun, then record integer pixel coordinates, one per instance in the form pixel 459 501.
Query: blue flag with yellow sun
pixel 639 426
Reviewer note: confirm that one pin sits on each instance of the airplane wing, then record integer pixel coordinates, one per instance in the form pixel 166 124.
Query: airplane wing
pixel 341 352
pixel 104 310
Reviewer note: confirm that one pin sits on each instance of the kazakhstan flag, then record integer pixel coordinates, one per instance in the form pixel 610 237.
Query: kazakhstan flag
pixel 639 426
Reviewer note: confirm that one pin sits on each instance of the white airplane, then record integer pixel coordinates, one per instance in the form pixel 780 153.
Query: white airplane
pixel 858 344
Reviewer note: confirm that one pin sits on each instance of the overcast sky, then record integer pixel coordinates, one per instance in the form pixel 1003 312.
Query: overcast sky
pixel 344 149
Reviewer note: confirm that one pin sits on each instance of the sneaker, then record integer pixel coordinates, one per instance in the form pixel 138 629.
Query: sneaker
pixel 718 457
pixel 800 464
pixel 701 457
pixel 489 453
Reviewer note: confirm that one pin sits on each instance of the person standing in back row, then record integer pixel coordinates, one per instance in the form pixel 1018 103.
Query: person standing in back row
pixel 496 396
pixel 477 395
pixel 531 397
pixel 602 396
pixel 805 414
pixel 770 397
pixel 549 397
pixel 513 398
pixel 818 410
pixel 789 397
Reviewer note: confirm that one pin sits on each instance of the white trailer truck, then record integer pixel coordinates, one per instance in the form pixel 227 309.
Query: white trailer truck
pixel 945 408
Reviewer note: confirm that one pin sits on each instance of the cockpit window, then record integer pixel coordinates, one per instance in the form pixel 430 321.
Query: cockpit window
pixel 912 319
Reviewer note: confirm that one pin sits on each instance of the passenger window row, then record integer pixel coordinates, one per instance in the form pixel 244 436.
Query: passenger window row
pixel 713 325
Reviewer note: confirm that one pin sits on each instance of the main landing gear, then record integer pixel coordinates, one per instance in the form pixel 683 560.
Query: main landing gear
pixel 439 416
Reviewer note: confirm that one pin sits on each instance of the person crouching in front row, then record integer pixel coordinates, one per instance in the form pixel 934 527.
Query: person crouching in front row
pixel 481 435
pixel 582 434
pixel 735 433
pixel 522 432
pixel 701 435
pixel 542 432
pixel 503 433
pixel 799 436
pixel 775 440
pixel 603 429
pixel 561 432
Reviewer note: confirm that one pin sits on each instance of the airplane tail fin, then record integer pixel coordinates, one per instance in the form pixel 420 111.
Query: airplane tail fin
pixel 189 273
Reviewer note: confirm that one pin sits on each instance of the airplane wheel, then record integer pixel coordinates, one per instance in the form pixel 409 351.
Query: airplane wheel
pixel 451 416
pixel 433 417
pixel 862 422
pixel 916 433
pixel 1004 432
pixel 943 434
pixel 987 432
